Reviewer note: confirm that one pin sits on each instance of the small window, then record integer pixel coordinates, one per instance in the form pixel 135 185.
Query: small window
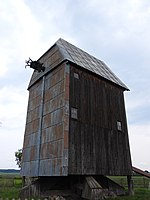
pixel 119 126
pixel 74 113
pixel 76 75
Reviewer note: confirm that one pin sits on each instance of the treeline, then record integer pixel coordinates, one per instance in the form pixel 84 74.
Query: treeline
pixel 9 170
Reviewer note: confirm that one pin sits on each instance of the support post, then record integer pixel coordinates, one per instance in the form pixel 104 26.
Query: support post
pixel 23 181
pixel 130 185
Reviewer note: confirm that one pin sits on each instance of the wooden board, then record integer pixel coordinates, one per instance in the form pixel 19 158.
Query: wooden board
pixel 96 146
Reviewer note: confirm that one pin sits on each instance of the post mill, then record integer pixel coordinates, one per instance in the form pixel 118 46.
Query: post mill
pixel 76 128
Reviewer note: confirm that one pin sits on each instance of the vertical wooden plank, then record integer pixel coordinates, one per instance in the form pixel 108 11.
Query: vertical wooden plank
pixel 95 144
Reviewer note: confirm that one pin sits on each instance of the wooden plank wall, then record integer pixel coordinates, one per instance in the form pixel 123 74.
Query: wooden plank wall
pixel 95 144
pixel 30 146
pixel 51 140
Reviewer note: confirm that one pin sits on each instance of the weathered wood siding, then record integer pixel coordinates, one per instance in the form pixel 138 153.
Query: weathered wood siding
pixel 30 146
pixel 96 146
pixel 54 150
pixel 45 150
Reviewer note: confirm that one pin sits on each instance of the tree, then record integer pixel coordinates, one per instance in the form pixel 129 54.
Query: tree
pixel 18 155
pixel 147 171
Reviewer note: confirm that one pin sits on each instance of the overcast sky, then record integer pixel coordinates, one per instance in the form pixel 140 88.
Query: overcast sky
pixel 117 32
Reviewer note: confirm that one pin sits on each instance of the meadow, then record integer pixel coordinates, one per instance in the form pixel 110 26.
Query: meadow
pixel 139 181
pixel 11 184
pixel 141 187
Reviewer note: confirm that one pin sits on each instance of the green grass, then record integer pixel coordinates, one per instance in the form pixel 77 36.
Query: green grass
pixel 140 187
pixel 9 193
pixel 10 185
pixel 139 181
pixel 140 194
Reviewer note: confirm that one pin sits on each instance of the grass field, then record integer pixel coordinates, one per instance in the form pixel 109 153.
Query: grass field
pixel 10 185
pixel 139 181
pixel 140 194
pixel 141 185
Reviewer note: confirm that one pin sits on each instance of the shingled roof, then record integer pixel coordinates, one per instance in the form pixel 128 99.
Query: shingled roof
pixel 69 52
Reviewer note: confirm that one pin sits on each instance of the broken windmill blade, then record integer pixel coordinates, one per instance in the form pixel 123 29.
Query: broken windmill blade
pixel 35 65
